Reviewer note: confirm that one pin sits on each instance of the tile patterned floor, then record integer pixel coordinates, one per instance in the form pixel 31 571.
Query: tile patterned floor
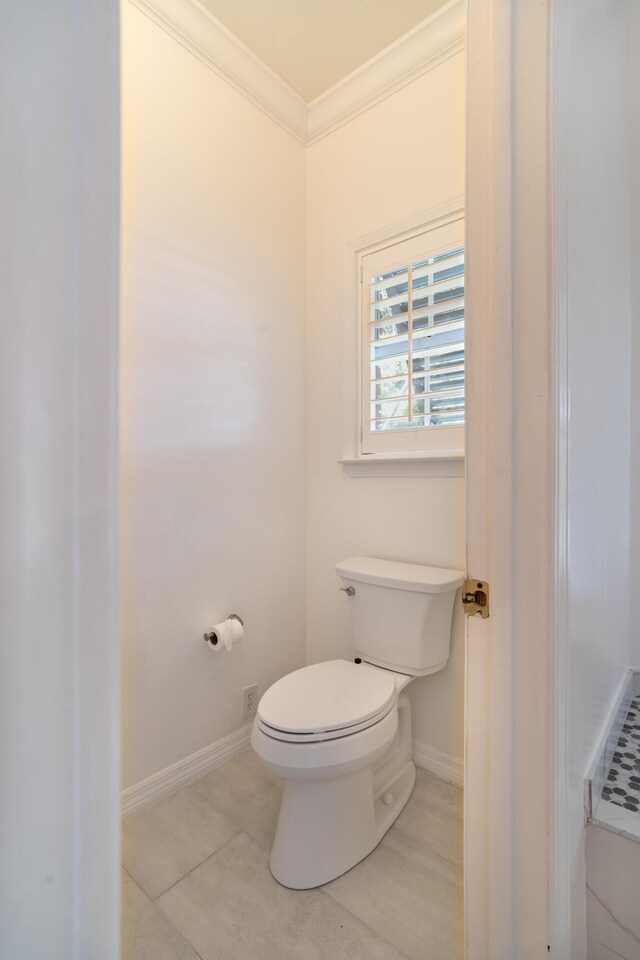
pixel 623 780
pixel 197 886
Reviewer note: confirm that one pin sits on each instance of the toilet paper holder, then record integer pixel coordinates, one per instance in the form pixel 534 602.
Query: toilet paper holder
pixel 208 637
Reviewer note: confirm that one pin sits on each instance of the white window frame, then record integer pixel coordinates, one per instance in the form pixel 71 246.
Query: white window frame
pixel 441 449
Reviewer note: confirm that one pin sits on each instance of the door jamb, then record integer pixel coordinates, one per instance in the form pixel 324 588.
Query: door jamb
pixel 512 702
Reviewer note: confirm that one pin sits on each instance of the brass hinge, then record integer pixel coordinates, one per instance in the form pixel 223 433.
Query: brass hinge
pixel 475 598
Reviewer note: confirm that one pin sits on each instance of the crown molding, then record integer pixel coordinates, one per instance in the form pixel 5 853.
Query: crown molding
pixel 198 31
pixel 432 42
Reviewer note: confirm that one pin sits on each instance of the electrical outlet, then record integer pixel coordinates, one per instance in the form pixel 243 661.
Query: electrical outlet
pixel 249 700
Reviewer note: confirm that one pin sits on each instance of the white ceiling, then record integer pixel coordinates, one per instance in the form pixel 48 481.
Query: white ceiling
pixel 312 44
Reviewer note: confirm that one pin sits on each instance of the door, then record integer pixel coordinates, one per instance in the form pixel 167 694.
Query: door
pixel 509 873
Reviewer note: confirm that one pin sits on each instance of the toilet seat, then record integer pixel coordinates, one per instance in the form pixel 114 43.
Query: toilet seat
pixel 317 736
pixel 326 701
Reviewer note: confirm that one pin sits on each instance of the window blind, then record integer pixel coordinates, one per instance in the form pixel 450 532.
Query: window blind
pixel 414 343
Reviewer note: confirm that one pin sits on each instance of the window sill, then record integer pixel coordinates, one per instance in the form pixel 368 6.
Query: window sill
pixel 445 464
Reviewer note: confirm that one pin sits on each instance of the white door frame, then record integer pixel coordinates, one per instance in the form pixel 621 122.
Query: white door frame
pixel 510 863
pixel 59 651
pixel 510 867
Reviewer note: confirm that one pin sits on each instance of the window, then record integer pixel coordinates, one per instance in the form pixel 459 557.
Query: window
pixel 412 344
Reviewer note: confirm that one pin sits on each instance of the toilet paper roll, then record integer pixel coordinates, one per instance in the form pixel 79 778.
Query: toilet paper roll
pixel 222 636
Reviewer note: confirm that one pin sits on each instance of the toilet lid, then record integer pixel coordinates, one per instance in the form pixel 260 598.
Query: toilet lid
pixel 327 696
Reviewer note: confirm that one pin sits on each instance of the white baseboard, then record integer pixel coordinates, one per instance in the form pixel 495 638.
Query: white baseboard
pixel 140 795
pixel 184 771
pixel 440 764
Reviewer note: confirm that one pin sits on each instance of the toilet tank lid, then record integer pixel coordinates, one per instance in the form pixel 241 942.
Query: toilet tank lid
pixel 400 576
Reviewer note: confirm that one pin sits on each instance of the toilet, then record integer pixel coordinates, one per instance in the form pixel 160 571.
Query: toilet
pixel 339 732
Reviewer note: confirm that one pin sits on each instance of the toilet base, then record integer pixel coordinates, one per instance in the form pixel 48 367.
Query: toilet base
pixel 327 826
pixel 349 821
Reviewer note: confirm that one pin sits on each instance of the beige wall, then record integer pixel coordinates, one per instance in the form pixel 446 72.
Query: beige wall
pixel 213 483
pixel 404 155
pixel 215 205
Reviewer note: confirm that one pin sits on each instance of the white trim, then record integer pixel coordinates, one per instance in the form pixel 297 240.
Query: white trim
pixel 352 458
pixel 184 771
pixel 433 41
pixel 442 765
pixel 430 43
pixel 385 465
pixel 433 217
pixel 198 31
pixel 511 351
pixel 561 868
pixel 59 441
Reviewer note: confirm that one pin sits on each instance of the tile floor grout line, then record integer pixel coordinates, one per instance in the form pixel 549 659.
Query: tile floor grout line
pixel 343 906
pixel 612 916
pixel 235 823
pixel 218 809
pixel 433 854
pixel 358 919
pixel 154 904
pixel 319 889
pixel 197 785
pixel 611 950
pixel 189 872
pixel 180 933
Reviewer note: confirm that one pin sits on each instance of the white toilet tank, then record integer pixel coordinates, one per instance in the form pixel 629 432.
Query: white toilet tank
pixel 401 613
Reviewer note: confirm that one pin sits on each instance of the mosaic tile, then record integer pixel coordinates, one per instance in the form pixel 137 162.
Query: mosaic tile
pixel 622 785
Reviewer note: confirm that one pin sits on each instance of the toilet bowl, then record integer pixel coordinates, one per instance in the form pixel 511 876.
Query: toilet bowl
pixel 339 732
